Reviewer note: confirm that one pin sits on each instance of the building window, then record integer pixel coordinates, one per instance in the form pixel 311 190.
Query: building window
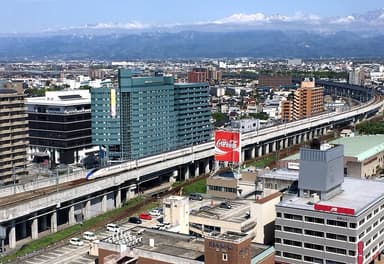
pixel 337 223
pixel 337 250
pixel 313 260
pixel 352 239
pixel 314 220
pixel 225 257
pixel 293 217
pixel 292 243
pixel 313 246
pixel 291 255
pixel 352 225
pixel 336 236
pixel 369 216
pixel 313 233
pixel 293 230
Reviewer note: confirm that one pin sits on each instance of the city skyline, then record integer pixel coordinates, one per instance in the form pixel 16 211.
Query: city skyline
pixel 34 16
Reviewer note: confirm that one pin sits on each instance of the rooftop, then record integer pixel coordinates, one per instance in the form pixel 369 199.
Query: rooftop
pixel 231 236
pixel 173 244
pixel 360 147
pixel 281 174
pixel 357 195
pixel 211 209
pixel 62 98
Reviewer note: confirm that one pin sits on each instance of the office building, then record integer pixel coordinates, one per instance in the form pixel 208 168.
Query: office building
pixel 60 124
pixel 331 219
pixel 308 100
pixel 13 136
pixel 149 115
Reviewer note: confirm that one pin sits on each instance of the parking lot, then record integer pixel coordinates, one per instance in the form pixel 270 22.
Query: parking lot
pixel 70 254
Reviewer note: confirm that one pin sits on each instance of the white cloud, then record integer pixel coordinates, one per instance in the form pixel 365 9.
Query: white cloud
pixel 243 18
pixel 343 20
pixel 129 25
pixel 262 18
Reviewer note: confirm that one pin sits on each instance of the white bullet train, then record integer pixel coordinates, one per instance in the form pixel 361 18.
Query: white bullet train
pixel 147 161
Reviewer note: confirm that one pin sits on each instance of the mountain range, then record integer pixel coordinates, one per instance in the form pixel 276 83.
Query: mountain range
pixel 239 35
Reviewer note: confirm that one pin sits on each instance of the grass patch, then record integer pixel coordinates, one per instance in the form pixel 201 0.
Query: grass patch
pixel 50 239
pixel 199 186
pixel 263 162
pixel 43 242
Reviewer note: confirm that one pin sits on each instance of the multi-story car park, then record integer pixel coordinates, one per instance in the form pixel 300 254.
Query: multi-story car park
pixel 332 220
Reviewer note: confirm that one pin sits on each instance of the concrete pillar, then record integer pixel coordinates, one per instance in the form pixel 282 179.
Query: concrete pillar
pixel 217 165
pixel 87 209
pixel 35 228
pixel 71 215
pixel 12 235
pixel 104 203
pixel 242 157
pixel 267 148
pixel 253 152
pixel 54 222
pixel 23 229
pixel 118 199
pixel 206 166
pixel 274 146
pixel 130 192
pixel 260 151
pixel 197 169
pixel 226 164
pixel 186 173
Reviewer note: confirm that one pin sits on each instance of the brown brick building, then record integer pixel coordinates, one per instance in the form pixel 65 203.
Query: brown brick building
pixel 274 81
pixel 308 100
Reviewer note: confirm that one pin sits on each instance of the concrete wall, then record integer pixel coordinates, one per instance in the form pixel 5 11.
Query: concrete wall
pixel 265 213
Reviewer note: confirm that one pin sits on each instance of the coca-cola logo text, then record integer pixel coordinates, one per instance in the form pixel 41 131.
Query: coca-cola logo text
pixel 227 143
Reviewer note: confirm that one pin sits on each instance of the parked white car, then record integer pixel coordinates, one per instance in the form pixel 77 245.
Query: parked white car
pixel 155 212
pixel 113 227
pixel 89 236
pixel 76 241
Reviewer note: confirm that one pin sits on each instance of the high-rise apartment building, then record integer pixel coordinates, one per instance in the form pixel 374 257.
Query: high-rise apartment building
pixel 192 110
pixel 13 136
pixel 149 115
pixel 331 219
pixel 286 108
pixel 356 76
pixel 308 99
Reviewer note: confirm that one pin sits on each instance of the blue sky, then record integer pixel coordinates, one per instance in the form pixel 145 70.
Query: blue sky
pixel 37 15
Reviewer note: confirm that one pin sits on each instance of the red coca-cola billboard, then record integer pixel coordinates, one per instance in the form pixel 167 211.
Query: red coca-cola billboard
pixel 227 146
